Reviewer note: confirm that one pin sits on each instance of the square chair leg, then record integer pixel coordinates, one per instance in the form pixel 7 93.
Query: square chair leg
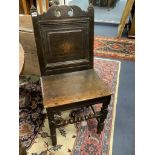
pixel 52 128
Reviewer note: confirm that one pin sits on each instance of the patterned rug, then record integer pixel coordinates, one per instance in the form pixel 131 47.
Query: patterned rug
pixel 80 139
pixel 109 47
pixel 30 109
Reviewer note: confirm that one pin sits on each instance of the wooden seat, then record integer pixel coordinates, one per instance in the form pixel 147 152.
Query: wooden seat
pixel 72 87
pixel 64 38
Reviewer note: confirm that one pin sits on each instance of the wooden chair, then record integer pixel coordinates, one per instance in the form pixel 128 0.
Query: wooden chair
pixel 64 39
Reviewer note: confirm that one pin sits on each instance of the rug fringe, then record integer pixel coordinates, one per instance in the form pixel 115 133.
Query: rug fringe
pixel 115 101
pixel 106 59
pixel 114 110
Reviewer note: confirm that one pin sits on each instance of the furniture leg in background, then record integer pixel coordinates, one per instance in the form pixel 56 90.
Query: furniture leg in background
pixel 25 5
pixel 125 16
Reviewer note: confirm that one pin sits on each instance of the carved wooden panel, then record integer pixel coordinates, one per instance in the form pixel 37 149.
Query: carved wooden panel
pixel 64 41
pixel 63 11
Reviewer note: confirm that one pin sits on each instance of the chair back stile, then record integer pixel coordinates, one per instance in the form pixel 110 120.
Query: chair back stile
pixel 64 37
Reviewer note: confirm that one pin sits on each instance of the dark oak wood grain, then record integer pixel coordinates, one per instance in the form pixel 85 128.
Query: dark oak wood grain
pixel 64 42
pixel 72 87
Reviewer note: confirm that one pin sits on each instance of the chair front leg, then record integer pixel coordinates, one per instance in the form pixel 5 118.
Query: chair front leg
pixel 101 119
pixel 52 128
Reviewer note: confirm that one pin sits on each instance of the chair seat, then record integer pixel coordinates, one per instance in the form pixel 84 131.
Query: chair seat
pixel 68 88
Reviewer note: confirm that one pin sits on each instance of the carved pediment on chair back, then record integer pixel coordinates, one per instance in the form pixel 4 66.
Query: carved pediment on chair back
pixel 64 38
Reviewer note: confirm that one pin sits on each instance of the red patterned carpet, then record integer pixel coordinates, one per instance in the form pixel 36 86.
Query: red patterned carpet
pixel 109 47
pixel 88 142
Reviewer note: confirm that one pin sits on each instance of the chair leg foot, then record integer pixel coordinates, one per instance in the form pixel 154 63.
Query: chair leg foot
pixel 53 136
pixel 100 127
pixel 52 129
pixel 101 120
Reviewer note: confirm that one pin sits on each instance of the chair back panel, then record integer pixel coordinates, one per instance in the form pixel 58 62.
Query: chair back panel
pixel 64 38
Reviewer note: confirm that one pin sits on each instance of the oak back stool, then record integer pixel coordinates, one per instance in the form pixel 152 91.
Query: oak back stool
pixel 64 38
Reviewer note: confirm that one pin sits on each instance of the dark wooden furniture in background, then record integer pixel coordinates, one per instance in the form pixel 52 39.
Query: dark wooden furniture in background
pixel 25 5
pixel 64 38
pixel 105 3
pixel 41 5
